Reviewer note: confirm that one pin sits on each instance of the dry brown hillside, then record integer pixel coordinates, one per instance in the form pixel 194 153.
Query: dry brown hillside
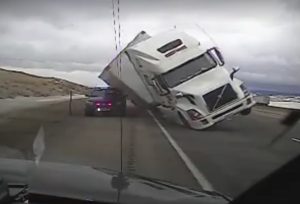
pixel 15 83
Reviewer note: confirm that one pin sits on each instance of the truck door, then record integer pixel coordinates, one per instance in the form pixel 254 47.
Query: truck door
pixel 159 93
pixel 166 98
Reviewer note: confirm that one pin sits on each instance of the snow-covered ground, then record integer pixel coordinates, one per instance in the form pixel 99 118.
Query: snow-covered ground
pixel 290 105
pixel 280 98
pixel 291 102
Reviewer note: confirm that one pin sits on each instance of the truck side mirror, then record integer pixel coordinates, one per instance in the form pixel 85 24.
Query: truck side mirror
pixel 161 86
pixel 216 54
pixel 179 95
pixel 234 70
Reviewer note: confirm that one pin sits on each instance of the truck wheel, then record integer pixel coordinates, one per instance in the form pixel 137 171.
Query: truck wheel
pixel 183 120
pixel 246 111
pixel 133 102
pixel 123 111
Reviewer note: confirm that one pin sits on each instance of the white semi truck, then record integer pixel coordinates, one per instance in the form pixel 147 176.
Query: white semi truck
pixel 174 71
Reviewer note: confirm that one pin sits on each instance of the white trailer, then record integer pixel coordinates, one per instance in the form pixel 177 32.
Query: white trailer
pixel 174 71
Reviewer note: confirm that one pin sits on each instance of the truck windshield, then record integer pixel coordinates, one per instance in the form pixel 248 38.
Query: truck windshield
pixel 189 70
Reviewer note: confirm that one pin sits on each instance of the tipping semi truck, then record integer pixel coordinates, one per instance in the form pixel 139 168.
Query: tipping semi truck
pixel 174 71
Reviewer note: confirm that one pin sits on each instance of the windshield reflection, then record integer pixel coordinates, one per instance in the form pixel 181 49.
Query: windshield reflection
pixel 189 70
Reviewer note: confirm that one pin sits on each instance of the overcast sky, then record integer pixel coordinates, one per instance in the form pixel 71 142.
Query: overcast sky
pixel 75 39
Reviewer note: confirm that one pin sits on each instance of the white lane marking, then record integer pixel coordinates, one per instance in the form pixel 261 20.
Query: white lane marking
pixel 296 139
pixel 202 181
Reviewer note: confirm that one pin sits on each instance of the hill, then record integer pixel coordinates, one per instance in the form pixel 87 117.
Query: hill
pixel 16 83
pixel 274 89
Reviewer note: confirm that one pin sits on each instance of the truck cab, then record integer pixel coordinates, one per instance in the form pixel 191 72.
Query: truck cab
pixel 190 79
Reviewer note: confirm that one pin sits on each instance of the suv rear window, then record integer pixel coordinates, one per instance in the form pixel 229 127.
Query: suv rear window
pixel 105 92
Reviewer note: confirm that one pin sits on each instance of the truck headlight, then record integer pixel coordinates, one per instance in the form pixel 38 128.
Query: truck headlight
pixel 245 90
pixel 194 115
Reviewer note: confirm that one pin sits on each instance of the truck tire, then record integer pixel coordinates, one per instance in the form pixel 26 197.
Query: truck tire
pixel 123 110
pixel 246 111
pixel 183 120
pixel 120 111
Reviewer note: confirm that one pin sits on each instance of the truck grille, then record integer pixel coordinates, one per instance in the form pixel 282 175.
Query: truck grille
pixel 216 99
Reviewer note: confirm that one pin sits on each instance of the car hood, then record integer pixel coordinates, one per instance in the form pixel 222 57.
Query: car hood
pixel 205 82
pixel 88 183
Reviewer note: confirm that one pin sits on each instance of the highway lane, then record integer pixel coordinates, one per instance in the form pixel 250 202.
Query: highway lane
pixel 231 155
pixel 236 153
pixel 95 141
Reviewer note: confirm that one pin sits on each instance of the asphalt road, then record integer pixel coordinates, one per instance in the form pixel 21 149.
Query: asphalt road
pixel 236 153
pixel 232 155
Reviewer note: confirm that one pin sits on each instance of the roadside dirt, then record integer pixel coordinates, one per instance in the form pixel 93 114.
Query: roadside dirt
pixel 14 83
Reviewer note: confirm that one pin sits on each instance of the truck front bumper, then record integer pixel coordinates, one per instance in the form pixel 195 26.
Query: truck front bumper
pixel 221 114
